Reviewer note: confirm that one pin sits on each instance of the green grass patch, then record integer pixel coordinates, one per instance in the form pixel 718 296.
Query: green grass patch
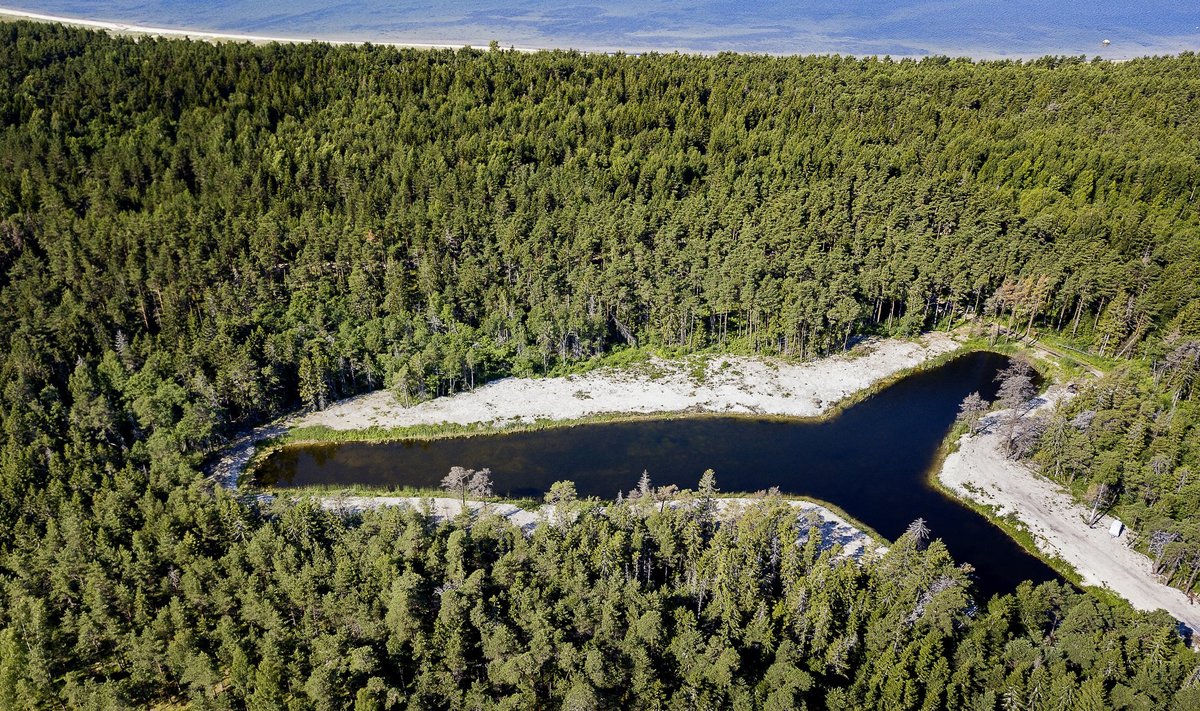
pixel 1076 351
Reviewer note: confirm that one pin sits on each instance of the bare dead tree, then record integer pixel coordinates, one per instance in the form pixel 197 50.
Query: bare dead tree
pixel 644 488
pixel 456 482
pixel 1016 388
pixel 480 485
pixel 971 411
pixel 1026 436
pixel 1016 384
pixel 463 481
pixel 1100 497
pixel 663 494
pixel 1159 541
pixel 919 532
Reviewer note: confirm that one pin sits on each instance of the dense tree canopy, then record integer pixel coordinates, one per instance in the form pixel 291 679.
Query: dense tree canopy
pixel 278 223
pixel 628 605
pixel 194 237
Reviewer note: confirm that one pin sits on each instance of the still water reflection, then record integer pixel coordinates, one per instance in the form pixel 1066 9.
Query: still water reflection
pixel 872 461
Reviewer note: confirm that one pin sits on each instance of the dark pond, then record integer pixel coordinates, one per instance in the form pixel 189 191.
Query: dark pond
pixel 872 461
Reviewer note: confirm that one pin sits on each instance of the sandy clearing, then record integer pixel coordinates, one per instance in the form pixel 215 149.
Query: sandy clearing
pixel 732 384
pixel 834 529
pixel 980 471
pixel 440 507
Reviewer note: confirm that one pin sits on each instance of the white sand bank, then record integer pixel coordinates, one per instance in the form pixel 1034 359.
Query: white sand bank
pixel 731 384
pixel 980 471
pixel 834 529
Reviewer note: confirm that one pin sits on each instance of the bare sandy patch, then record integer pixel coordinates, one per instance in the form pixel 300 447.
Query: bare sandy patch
pixel 834 530
pixel 730 384
pixel 980 471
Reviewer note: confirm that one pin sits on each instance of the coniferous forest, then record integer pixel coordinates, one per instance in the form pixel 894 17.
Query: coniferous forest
pixel 197 237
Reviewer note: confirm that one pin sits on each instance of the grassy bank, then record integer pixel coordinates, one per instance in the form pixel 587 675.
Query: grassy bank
pixel 332 491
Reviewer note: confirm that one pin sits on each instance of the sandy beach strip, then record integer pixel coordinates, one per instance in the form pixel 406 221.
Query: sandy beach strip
pixel 126 28
pixel 979 471
pixel 700 384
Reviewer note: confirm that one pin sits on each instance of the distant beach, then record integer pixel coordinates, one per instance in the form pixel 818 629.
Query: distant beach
pixel 134 29
pixel 1018 29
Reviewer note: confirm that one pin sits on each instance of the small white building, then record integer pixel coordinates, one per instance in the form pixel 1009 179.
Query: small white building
pixel 1116 529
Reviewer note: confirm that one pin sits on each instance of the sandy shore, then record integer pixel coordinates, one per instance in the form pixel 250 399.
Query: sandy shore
pixel 729 384
pixel 125 28
pixel 980 471
pixel 834 529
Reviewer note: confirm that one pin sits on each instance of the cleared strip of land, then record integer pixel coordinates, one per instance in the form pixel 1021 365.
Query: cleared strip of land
pixel 716 384
pixel 980 471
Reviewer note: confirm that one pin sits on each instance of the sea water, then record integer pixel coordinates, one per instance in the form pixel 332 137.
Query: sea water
pixel 995 28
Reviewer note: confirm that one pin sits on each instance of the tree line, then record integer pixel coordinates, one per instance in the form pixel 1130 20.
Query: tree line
pixel 612 604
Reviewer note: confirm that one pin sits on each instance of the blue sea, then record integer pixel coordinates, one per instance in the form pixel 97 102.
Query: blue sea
pixel 993 28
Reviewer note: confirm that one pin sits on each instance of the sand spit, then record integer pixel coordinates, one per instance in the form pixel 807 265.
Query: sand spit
pixel 980 471
pixel 834 529
pixel 729 385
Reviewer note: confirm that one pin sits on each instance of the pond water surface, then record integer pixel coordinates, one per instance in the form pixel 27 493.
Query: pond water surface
pixel 872 460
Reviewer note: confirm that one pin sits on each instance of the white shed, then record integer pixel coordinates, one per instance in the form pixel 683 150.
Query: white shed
pixel 1115 529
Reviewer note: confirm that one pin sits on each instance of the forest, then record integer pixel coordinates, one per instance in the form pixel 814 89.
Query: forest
pixel 197 237
pixel 1130 444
